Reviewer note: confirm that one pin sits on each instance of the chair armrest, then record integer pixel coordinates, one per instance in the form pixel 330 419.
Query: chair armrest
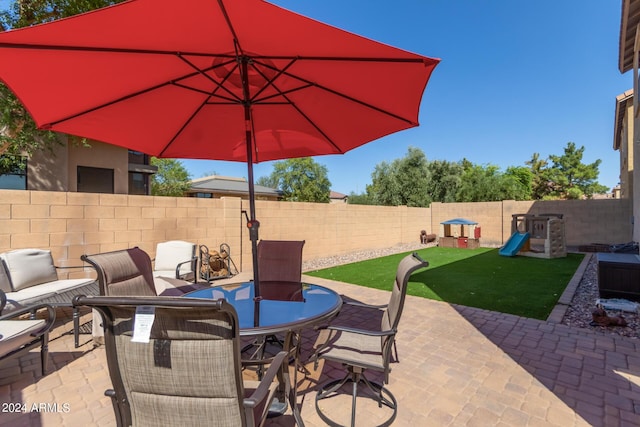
pixel 3 300
pixel 70 266
pixel 51 316
pixel 363 331
pixel 192 261
pixel 262 391
pixel 364 305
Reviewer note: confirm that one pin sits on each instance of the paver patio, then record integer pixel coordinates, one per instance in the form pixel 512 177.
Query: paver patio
pixel 459 366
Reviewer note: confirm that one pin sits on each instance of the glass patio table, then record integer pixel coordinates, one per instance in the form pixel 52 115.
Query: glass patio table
pixel 319 304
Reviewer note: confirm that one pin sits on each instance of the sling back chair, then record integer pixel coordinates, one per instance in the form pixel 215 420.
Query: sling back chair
pixel 126 272
pixel 359 350
pixel 129 272
pixel 280 275
pixel 280 269
pixel 186 369
pixel 18 335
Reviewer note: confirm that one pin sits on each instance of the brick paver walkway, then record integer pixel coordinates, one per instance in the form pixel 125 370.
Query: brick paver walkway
pixel 458 366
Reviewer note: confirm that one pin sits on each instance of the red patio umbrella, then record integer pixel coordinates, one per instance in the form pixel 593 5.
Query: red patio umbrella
pixel 240 80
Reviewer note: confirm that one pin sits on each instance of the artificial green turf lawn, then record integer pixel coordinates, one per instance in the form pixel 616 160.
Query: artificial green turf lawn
pixel 481 278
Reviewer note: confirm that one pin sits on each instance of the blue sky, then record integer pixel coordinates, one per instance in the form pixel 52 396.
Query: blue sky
pixel 516 78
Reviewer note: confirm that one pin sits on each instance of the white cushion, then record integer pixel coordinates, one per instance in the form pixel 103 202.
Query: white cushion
pixel 164 273
pixel 16 333
pixel 33 294
pixel 29 267
pixel 170 254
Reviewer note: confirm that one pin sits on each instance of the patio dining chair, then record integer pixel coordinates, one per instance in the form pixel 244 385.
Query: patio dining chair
pixel 19 335
pixel 176 259
pixel 129 272
pixel 360 350
pixel 280 275
pixel 280 269
pixel 184 368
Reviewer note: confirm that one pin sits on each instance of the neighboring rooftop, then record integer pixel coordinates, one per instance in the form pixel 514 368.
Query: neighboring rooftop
pixel 336 197
pixel 215 186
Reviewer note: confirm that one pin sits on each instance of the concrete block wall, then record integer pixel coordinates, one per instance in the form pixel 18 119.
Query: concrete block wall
pixel 586 221
pixel 336 228
pixel 71 224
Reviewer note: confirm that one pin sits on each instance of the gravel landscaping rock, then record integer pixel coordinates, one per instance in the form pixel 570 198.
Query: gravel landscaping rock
pixel 579 313
pixel 332 261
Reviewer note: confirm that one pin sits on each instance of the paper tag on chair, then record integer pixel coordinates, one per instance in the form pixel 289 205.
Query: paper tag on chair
pixel 142 323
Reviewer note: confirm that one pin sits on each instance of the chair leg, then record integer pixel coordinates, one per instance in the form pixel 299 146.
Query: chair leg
pixel 76 327
pixel 44 353
pixel 395 350
pixel 356 376
pixel 354 395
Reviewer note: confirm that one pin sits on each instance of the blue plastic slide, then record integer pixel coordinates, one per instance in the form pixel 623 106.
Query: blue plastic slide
pixel 514 244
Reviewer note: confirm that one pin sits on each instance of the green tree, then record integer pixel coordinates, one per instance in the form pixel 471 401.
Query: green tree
pixel 518 182
pixel 172 179
pixel 572 179
pixel 540 184
pixel 480 183
pixel 444 180
pixel 401 182
pixel 360 199
pixel 301 180
pixel 267 181
pixel 384 189
pixel 19 135
pixel 413 178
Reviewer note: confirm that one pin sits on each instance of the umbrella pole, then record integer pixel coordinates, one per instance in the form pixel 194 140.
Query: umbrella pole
pixel 253 224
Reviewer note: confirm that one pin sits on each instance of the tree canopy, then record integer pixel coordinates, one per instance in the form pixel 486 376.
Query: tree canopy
pixel 415 181
pixel 300 180
pixel 172 179
pixel 401 182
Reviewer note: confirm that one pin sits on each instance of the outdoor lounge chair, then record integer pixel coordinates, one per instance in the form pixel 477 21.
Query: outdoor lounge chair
pixel 176 259
pixel 18 335
pixel 280 269
pixel 186 370
pixel 29 277
pixel 360 350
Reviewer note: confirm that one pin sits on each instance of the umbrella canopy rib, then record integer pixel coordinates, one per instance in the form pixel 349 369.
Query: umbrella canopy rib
pixel 106 104
pixel 232 56
pixel 203 73
pixel 182 128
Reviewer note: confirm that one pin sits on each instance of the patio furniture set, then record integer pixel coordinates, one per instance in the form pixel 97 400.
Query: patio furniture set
pixel 173 345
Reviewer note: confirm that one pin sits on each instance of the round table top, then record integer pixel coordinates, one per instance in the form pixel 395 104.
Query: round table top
pixel 319 304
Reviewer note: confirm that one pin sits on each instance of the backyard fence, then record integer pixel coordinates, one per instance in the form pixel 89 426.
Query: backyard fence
pixel 71 224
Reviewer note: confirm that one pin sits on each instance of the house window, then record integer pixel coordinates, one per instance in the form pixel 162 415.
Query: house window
pixel 137 157
pixel 95 180
pixel 138 183
pixel 15 173
pixel 203 195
